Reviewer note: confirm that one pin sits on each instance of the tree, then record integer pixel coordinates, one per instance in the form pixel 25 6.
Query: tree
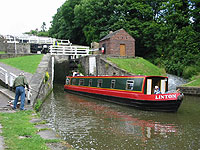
pixel 43 27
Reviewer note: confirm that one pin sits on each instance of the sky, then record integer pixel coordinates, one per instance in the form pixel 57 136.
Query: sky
pixel 19 16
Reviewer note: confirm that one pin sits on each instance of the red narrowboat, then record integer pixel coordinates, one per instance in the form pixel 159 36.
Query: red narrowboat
pixel 136 91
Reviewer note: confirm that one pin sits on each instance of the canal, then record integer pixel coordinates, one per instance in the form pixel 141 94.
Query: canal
pixel 89 124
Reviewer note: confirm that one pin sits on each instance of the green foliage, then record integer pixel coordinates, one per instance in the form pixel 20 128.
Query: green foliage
pixel 166 32
pixel 37 105
pixel 81 69
pixel 190 71
pixel 46 78
pixel 138 66
pixel 25 63
pixel 194 81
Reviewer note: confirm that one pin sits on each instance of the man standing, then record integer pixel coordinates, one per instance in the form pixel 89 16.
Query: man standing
pixel 20 83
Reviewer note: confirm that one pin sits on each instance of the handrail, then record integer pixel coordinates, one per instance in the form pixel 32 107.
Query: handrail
pixel 69 50
pixel 10 82
pixel 12 79
pixel 5 74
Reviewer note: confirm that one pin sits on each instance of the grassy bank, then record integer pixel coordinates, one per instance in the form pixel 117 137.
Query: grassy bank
pixel 16 126
pixel 25 63
pixel 194 81
pixel 138 66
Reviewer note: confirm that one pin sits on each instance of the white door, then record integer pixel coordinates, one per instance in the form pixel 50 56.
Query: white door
pixel 92 65
pixel 149 85
pixel 163 86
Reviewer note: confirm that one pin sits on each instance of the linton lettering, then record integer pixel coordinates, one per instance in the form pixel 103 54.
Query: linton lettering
pixel 165 96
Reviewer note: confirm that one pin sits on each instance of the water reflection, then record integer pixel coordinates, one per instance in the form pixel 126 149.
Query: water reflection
pixel 126 124
pixel 91 124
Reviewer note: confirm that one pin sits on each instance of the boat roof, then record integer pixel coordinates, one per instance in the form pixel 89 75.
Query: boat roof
pixel 104 76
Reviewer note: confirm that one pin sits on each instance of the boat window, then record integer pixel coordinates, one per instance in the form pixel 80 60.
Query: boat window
pixel 81 82
pixel 90 82
pixel 74 82
pixel 67 81
pixel 99 83
pixel 129 84
pixel 112 86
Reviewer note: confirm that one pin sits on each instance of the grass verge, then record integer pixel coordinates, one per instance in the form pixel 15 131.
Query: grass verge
pixel 138 66
pixel 16 125
pixel 2 52
pixel 25 63
pixel 195 81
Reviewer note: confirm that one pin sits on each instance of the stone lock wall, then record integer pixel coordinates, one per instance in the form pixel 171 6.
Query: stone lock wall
pixel 190 90
pixel 103 66
pixel 21 48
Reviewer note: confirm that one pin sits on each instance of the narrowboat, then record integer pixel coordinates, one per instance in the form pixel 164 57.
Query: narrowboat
pixel 136 91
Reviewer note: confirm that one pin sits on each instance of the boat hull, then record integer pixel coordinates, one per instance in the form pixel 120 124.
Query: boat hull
pixel 149 105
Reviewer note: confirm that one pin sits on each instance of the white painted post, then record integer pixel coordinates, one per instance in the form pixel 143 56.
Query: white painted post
pixel 51 49
pixel 15 45
pixel 29 96
pixel 75 52
pixel 6 77
pixel 52 71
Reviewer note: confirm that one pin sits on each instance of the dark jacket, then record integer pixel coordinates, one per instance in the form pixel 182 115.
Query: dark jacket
pixel 20 81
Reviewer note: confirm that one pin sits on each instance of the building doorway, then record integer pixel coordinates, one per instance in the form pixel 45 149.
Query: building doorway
pixel 122 50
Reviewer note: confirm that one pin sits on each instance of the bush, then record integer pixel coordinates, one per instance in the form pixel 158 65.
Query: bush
pixel 37 105
pixel 190 71
pixel 46 77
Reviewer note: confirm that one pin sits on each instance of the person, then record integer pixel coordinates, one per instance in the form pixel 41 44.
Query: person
pixel 74 73
pixel 56 43
pixel 178 90
pixel 20 83
pixel 156 90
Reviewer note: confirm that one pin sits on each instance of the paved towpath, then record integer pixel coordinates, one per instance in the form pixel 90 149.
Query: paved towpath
pixel 15 71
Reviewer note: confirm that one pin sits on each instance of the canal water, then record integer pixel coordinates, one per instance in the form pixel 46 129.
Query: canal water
pixel 90 124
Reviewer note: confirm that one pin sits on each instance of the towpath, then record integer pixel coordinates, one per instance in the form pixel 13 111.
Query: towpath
pixel 6 95
pixel 15 71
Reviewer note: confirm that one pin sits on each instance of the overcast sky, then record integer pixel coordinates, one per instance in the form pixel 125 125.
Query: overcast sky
pixel 19 16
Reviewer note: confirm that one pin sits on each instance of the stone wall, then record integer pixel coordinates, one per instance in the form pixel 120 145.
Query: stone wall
pixel 103 66
pixel 21 48
pixel 190 90
pixel 40 88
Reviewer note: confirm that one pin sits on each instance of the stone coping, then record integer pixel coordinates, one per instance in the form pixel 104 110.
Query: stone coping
pixel 190 90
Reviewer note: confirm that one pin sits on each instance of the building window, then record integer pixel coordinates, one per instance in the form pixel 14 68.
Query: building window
pixel 99 83
pixel 90 82
pixel 112 86
pixel 74 82
pixel 81 82
pixel 129 84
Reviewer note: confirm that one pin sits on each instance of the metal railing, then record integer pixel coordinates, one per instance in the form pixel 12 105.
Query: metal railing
pixel 4 75
pixel 69 50
pixel 8 78
pixel 35 40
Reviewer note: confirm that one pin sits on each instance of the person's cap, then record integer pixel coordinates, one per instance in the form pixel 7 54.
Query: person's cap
pixel 156 87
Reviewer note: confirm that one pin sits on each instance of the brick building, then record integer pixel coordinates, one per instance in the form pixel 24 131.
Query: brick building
pixel 118 43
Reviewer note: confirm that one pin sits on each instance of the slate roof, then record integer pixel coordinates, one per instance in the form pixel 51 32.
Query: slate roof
pixel 110 35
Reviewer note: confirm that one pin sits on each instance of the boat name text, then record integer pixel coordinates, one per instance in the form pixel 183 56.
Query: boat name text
pixel 165 96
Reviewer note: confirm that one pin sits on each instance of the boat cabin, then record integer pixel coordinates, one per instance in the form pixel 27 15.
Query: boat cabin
pixel 139 84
